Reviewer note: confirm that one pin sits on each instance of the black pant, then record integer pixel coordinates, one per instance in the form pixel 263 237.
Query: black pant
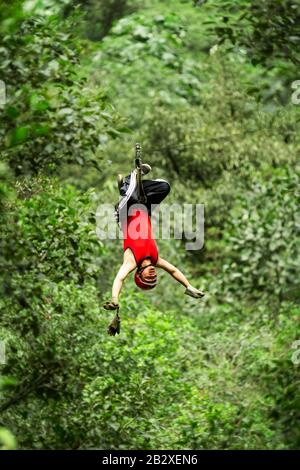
pixel 155 191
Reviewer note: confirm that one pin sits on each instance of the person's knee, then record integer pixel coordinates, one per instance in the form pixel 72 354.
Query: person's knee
pixel 163 183
pixel 166 188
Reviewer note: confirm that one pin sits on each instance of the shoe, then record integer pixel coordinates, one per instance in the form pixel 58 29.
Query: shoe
pixel 120 181
pixel 145 169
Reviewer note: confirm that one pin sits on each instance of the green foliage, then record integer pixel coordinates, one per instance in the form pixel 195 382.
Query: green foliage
pixel 6 190
pixel 42 123
pixel 140 61
pixel 202 143
pixel 7 440
pixel 85 391
pixel 51 233
pixel 263 240
pixel 268 30
pixel 50 255
pixel 215 374
pixel 263 33
pixel 100 15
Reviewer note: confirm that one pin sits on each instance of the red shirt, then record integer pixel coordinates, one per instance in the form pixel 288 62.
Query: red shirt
pixel 138 236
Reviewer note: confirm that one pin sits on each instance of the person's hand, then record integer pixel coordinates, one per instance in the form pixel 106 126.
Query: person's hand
pixel 111 305
pixel 193 292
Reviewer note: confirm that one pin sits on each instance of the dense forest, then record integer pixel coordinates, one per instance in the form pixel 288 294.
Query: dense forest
pixel 211 89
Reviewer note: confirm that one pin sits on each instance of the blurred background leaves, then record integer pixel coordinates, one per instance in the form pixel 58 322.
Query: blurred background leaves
pixel 206 88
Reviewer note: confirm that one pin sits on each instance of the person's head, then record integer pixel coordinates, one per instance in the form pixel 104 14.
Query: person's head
pixel 145 276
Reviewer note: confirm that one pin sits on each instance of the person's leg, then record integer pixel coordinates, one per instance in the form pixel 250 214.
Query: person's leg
pixel 129 196
pixel 156 191
pixel 128 190
pixel 126 183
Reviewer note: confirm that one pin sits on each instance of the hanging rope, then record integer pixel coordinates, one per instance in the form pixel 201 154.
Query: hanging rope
pixel 138 163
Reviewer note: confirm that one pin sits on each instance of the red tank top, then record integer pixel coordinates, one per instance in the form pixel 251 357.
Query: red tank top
pixel 138 236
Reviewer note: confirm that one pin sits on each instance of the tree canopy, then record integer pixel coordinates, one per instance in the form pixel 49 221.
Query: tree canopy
pixel 205 86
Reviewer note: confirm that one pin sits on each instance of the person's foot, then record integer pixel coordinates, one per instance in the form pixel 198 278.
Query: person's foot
pixel 145 169
pixel 120 181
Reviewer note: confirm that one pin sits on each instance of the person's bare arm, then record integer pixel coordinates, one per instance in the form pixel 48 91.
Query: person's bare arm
pixel 180 277
pixel 169 268
pixel 124 270
pixel 128 265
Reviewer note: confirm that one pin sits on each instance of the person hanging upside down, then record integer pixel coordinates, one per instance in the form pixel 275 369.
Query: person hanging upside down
pixel 140 250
